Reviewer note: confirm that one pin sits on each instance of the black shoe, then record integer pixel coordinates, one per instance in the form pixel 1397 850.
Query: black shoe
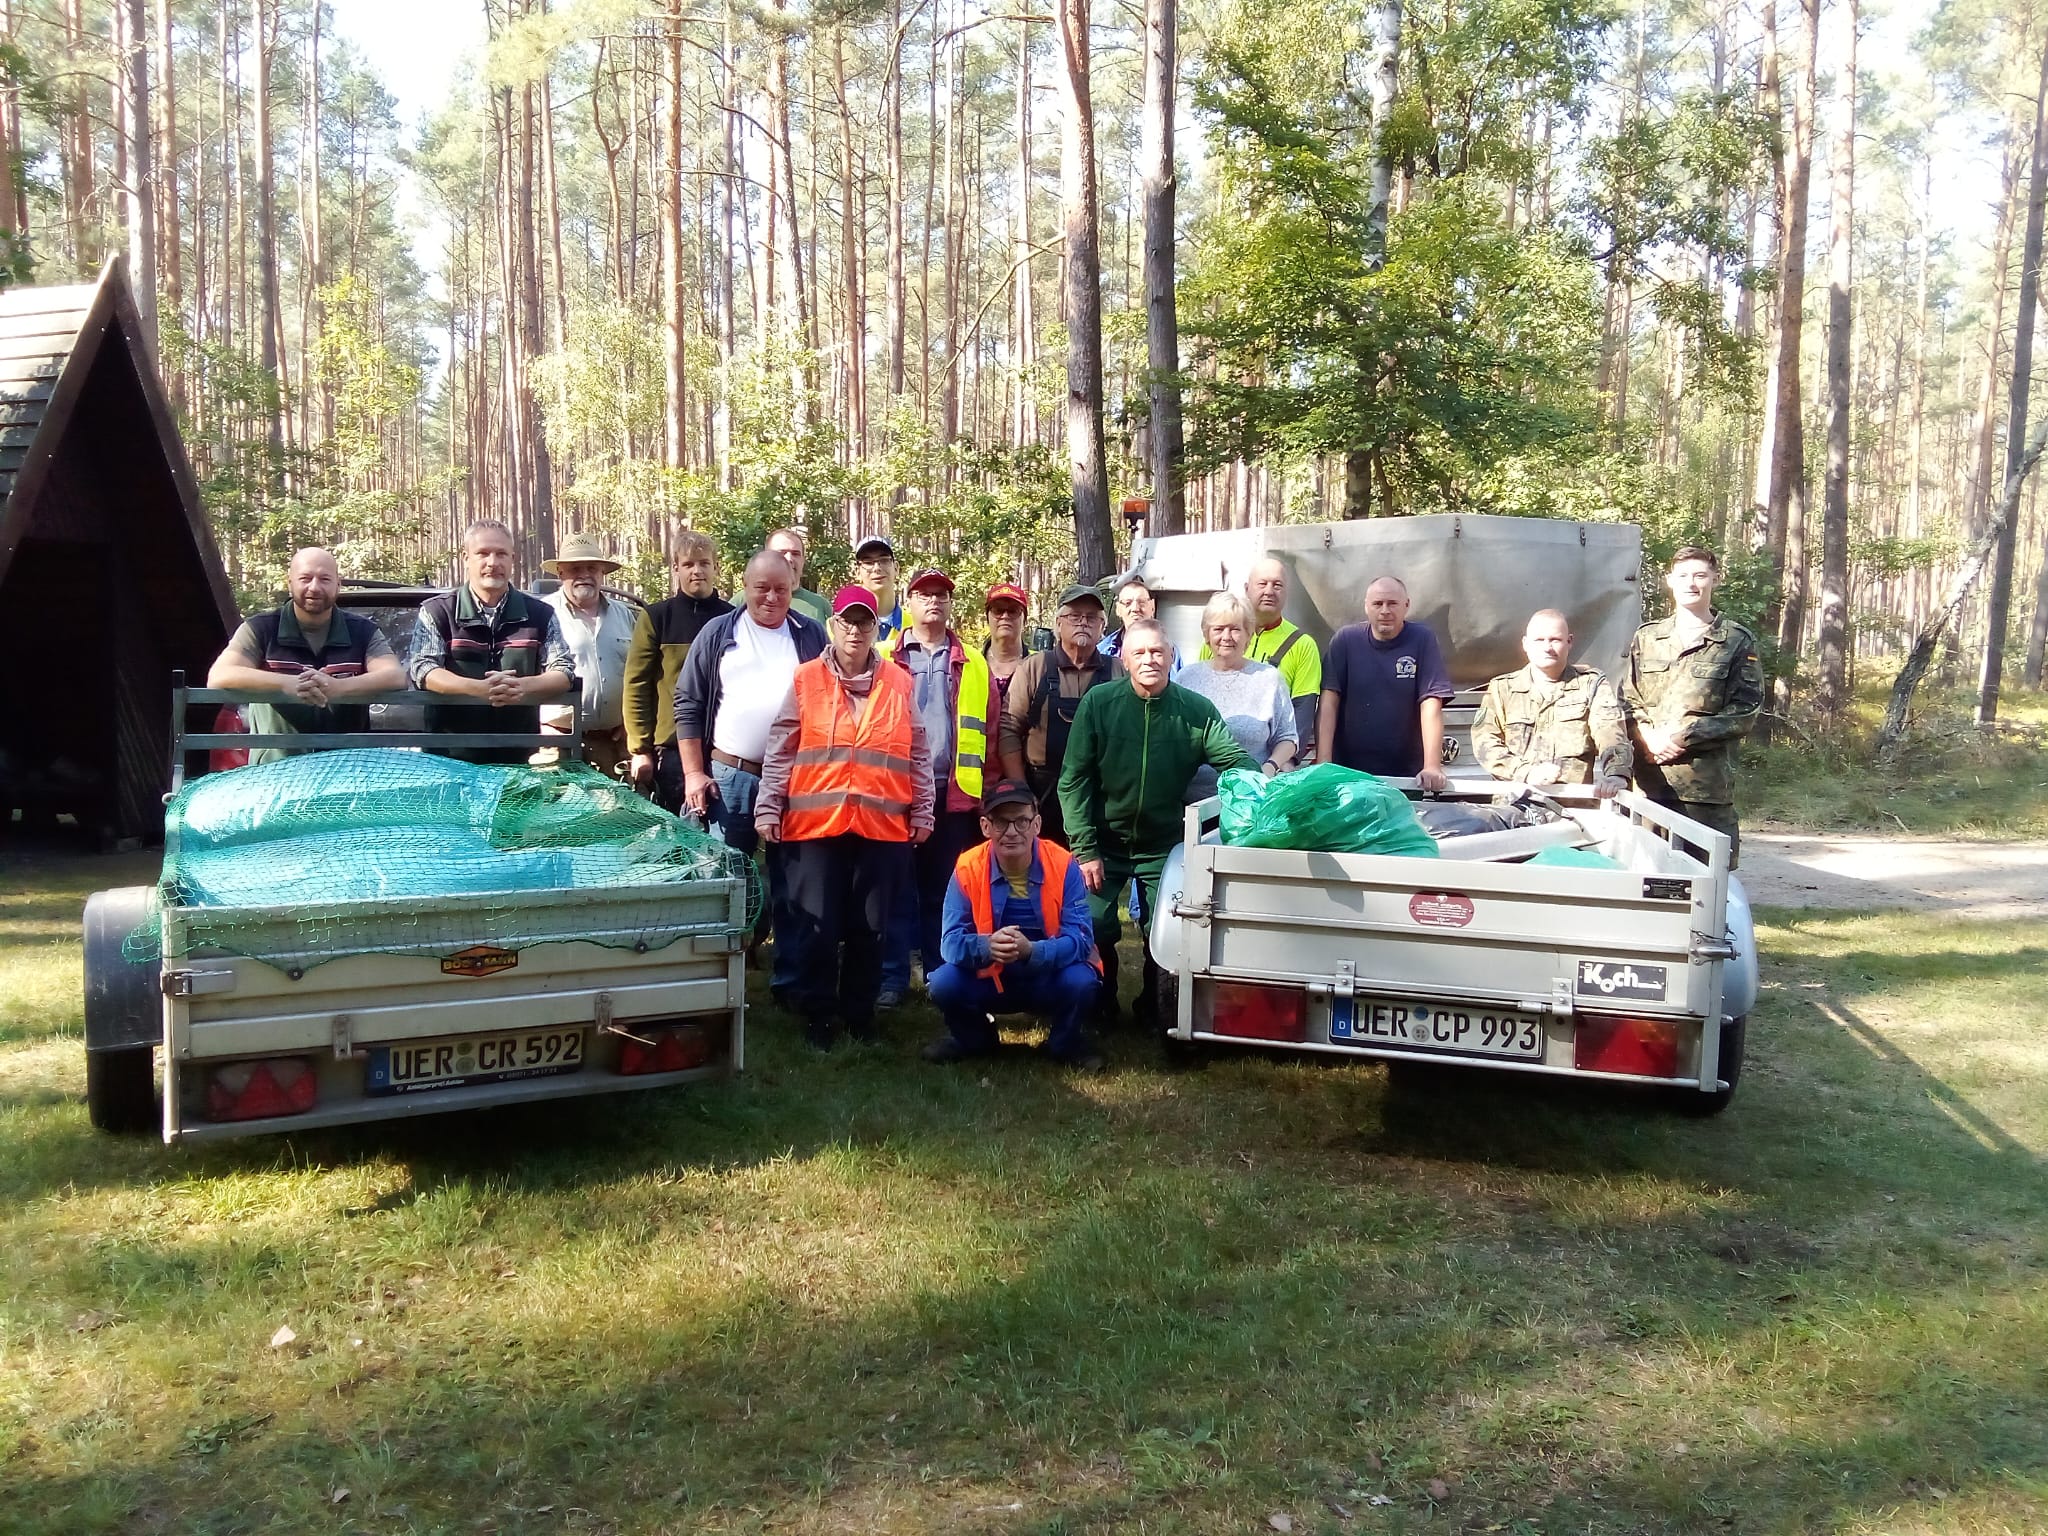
pixel 890 997
pixel 947 1049
pixel 818 1035
pixel 1085 1057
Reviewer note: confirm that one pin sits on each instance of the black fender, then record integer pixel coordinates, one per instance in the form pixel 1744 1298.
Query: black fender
pixel 123 998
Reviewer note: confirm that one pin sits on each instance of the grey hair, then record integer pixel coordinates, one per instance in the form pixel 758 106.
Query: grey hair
pixel 779 566
pixel 1222 604
pixel 487 523
pixel 1139 627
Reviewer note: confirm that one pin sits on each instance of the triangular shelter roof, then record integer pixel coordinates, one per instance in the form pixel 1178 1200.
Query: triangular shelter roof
pixel 109 576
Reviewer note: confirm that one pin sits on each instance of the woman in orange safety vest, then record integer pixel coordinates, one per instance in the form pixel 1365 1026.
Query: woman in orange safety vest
pixel 846 790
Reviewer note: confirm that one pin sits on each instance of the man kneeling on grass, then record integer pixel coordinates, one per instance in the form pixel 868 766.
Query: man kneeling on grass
pixel 1017 938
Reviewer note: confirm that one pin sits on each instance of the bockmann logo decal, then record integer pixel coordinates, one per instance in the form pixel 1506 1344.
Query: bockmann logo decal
pixel 1621 978
pixel 479 960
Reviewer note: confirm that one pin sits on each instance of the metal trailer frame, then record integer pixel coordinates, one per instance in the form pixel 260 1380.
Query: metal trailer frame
pixel 1339 927
pixel 204 1007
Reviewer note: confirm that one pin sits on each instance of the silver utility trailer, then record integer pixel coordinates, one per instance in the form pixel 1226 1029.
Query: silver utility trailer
pixel 603 990
pixel 1642 974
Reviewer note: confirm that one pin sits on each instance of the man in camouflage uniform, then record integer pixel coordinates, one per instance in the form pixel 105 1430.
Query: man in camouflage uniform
pixel 1692 687
pixel 1552 722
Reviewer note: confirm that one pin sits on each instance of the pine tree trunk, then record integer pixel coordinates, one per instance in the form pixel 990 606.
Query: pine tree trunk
pixel 1998 600
pixel 893 163
pixel 1833 694
pixel 1162 323
pixel 139 195
pixel 75 139
pixel 1023 338
pixel 675 282
pixel 1085 454
pixel 1785 547
pixel 266 235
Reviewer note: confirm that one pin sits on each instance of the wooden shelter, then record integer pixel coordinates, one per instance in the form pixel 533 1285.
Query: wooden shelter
pixel 109 576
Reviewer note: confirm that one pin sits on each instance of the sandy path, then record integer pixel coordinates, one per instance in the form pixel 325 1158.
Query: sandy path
pixel 1987 881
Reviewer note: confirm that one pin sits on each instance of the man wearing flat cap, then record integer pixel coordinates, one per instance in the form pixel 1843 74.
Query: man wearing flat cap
pixel 1044 692
pixel 598 629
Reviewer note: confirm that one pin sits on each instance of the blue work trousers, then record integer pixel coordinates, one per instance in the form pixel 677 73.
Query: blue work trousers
pixel 1063 998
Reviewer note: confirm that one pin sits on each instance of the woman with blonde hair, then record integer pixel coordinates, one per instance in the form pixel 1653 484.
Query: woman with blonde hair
pixel 1250 695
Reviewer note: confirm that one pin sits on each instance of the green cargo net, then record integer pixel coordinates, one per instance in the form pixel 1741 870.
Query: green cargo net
pixel 379 846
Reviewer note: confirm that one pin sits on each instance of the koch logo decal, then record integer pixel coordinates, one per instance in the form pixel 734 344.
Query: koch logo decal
pixel 479 960
pixel 1621 978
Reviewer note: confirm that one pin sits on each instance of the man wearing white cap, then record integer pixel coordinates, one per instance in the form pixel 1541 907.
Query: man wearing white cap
pixel 598 630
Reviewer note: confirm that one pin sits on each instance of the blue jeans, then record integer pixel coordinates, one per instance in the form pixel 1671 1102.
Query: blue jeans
pixel 1063 998
pixel 731 819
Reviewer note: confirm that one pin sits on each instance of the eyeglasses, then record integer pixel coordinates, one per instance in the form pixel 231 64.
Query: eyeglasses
pixel 1008 824
pixel 851 622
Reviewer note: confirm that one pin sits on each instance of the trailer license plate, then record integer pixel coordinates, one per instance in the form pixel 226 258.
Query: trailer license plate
pixel 1422 1026
pixel 418 1065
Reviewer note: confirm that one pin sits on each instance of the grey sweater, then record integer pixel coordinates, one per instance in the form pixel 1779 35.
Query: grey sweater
pixel 1255 707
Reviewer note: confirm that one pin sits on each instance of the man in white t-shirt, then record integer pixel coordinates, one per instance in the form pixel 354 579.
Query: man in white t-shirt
pixel 734 681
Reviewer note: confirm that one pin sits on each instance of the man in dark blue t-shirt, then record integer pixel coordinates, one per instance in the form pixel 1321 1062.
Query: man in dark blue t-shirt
pixel 1384 687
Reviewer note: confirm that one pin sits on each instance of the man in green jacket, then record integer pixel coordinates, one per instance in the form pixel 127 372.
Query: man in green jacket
pixel 1137 741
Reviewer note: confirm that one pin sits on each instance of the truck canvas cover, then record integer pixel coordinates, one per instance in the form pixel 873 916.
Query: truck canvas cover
pixel 1474 580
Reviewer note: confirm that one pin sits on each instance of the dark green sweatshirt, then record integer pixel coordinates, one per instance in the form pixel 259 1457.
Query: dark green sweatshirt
pixel 1128 763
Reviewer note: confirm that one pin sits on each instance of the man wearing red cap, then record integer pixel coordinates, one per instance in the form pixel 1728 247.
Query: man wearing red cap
pixel 846 792
pixel 1018 938
pixel 955 700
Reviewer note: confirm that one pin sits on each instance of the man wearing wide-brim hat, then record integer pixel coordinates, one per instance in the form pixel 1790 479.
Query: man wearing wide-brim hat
pixel 598 628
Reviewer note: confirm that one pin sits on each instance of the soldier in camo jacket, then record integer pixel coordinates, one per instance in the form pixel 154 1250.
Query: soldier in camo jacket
pixel 1553 722
pixel 1692 687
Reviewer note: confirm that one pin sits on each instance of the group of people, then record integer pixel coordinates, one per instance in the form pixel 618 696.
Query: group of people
pixel 985 806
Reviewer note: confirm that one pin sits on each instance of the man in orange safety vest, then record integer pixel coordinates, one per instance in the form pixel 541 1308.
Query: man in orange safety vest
pixel 1017 938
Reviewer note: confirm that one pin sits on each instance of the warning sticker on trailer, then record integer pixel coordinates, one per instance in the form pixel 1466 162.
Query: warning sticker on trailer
pixel 1440 909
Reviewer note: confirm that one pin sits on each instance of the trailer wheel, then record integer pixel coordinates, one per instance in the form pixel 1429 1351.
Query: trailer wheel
pixel 120 1090
pixel 1734 1038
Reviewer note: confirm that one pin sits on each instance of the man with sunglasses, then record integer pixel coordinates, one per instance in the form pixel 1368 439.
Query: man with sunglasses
pixel 1018 938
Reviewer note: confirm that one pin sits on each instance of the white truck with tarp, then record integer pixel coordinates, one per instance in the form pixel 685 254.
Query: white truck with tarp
pixel 372 931
pixel 1635 963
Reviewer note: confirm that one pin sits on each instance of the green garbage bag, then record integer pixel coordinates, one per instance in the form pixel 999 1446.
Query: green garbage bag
pixel 1324 809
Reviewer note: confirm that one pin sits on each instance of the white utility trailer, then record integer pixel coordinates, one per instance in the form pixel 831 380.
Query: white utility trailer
pixel 324 1013
pixel 1643 974
pixel 1640 974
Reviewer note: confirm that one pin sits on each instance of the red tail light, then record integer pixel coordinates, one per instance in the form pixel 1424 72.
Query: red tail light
pixel 228 718
pixel 1259 1013
pixel 262 1090
pixel 1624 1043
pixel 674 1049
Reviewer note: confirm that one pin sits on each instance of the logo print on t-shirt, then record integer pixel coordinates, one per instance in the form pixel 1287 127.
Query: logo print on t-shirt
pixel 1404 666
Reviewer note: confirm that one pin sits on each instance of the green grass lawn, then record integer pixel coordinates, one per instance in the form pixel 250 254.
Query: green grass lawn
pixel 863 1294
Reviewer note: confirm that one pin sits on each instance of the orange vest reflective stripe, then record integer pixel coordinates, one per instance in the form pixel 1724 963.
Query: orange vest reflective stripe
pixel 972 871
pixel 850 775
